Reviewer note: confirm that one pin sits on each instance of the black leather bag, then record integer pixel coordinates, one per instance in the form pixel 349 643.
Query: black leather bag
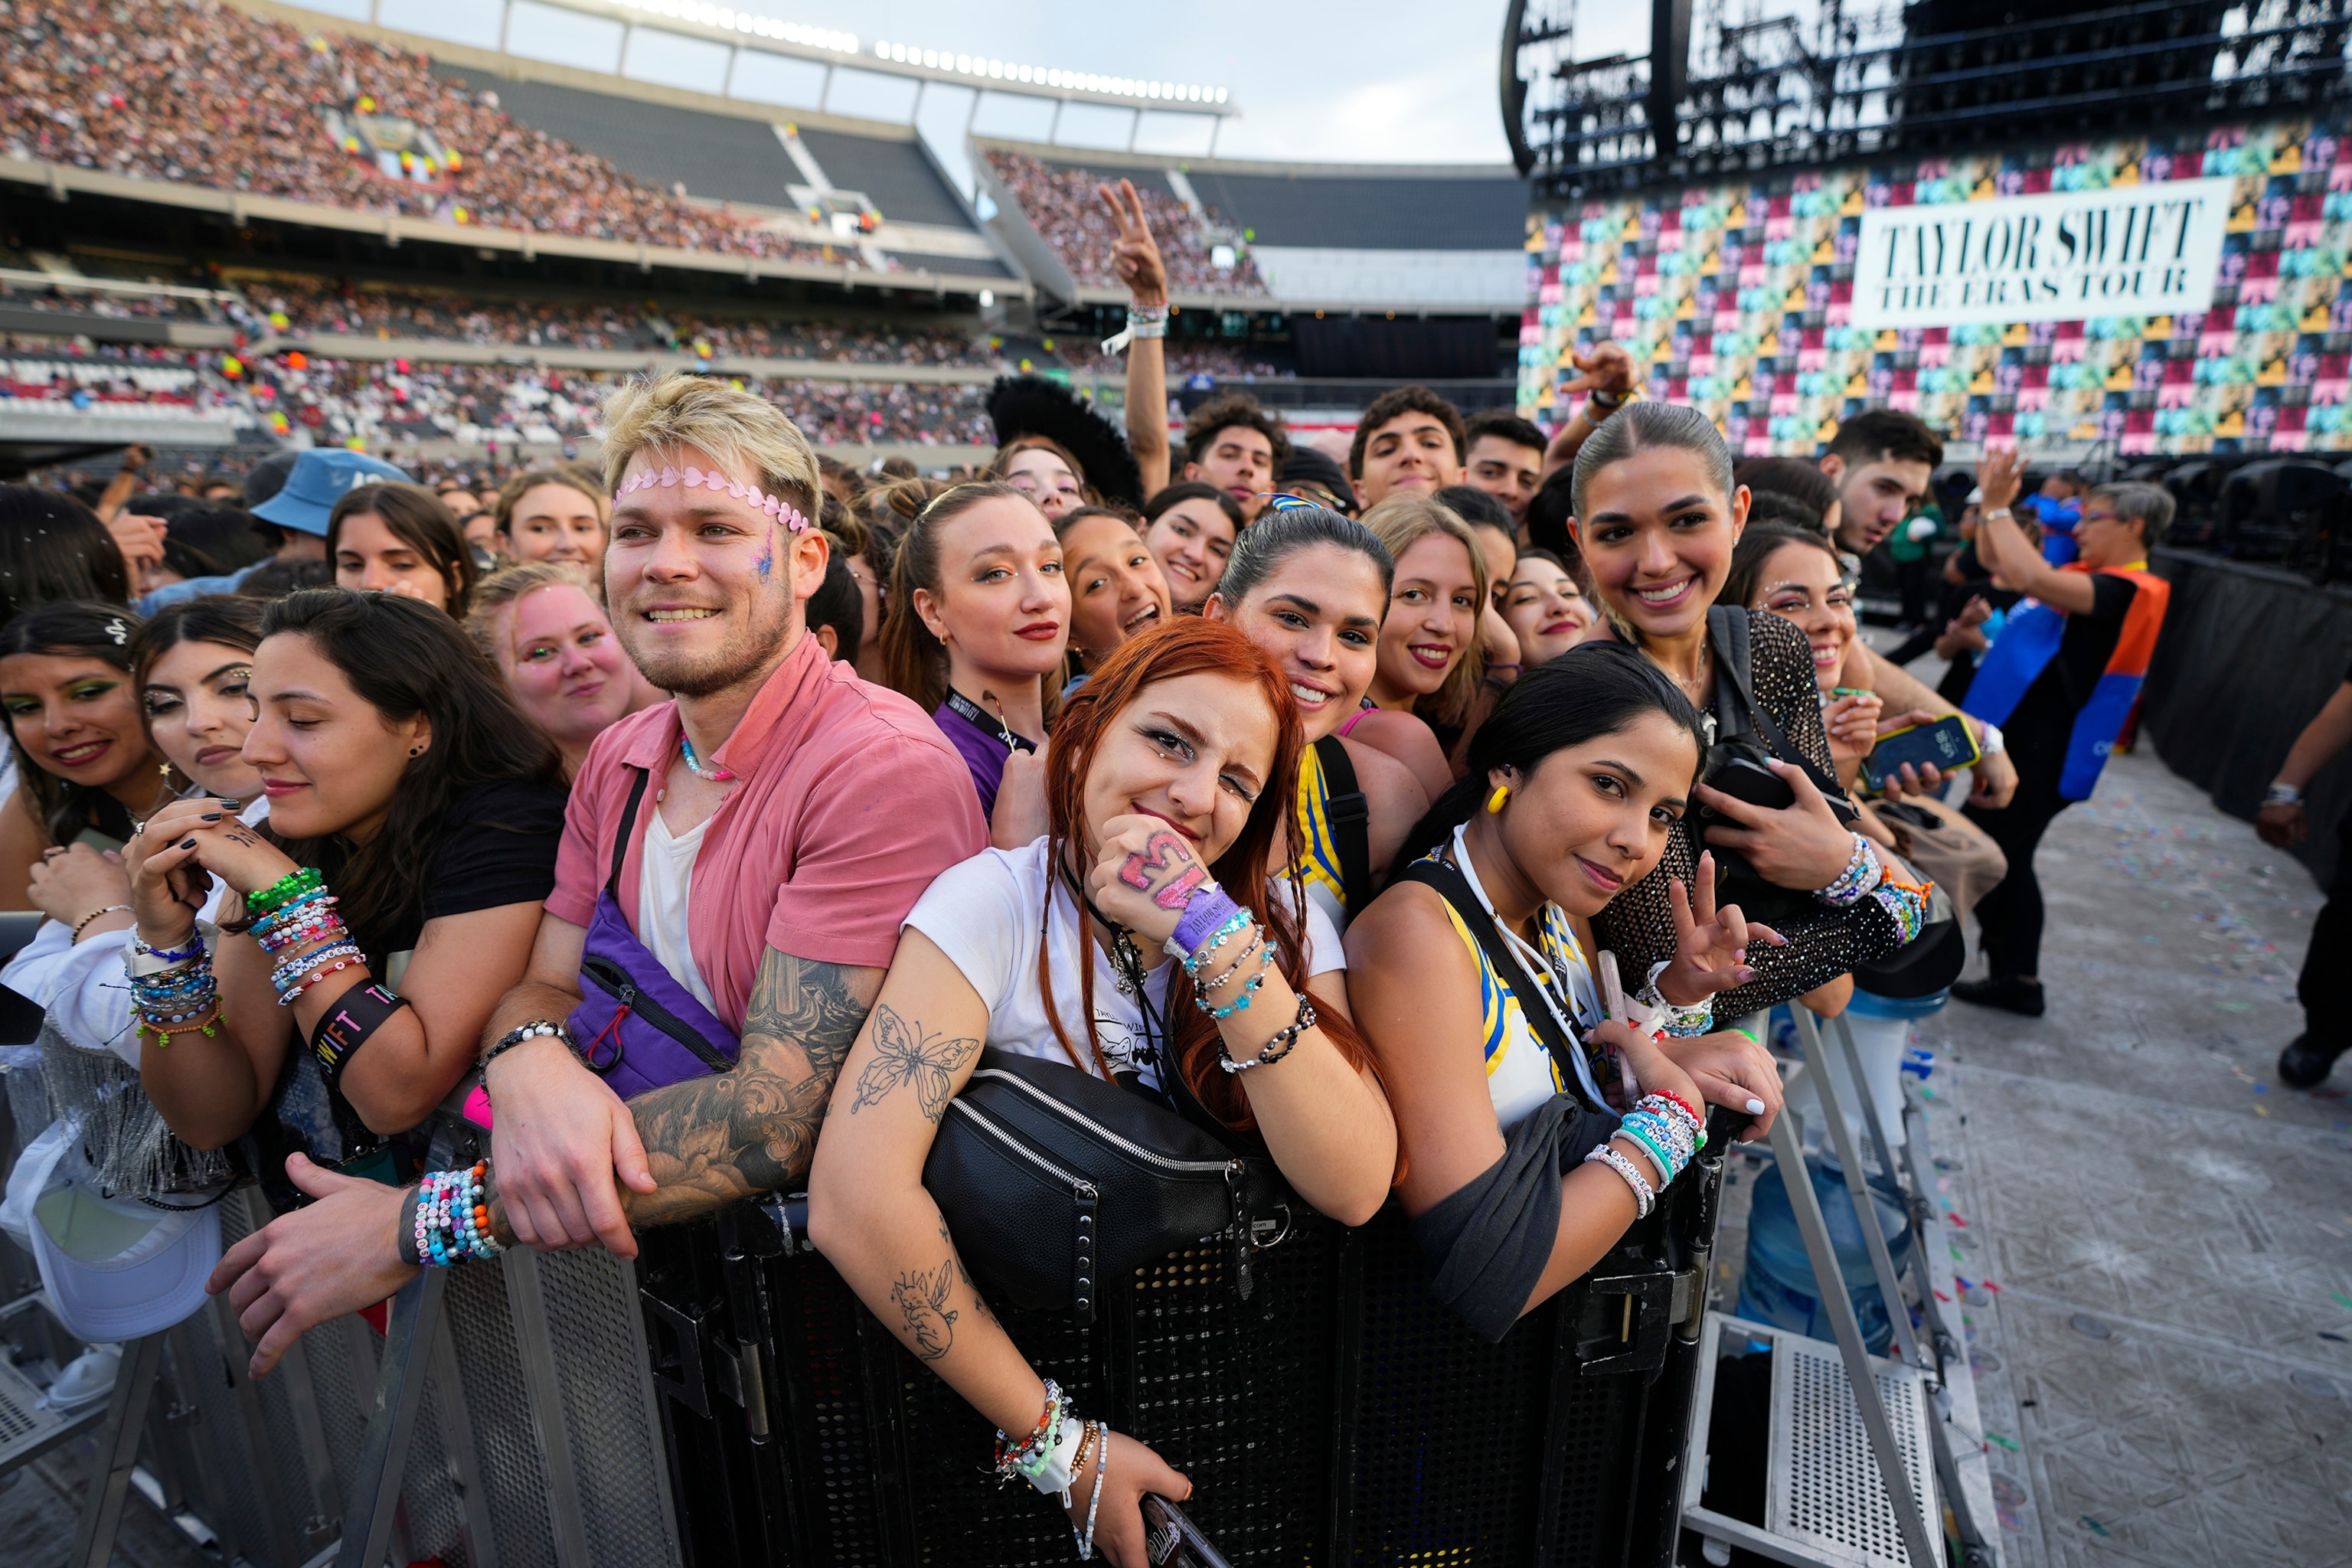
pixel 1053 1180
pixel 1746 738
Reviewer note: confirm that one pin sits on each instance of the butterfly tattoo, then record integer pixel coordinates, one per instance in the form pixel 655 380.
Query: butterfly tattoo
pixel 903 1053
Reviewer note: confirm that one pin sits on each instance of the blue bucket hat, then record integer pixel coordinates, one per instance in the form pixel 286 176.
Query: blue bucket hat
pixel 318 481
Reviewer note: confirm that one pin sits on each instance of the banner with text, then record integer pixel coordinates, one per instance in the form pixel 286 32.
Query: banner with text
pixel 2131 250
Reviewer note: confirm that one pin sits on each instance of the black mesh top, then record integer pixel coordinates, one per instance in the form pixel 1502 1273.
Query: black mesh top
pixel 1638 925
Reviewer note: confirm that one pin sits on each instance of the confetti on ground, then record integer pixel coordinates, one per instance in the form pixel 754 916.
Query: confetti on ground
pixel 2341 1300
pixel 2261 1110
pixel 2011 1444
pixel 2339 1339
pixel 2096 1527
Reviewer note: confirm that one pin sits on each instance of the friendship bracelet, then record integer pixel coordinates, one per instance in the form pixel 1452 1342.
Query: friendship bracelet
pixel 1862 874
pixel 1642 1195
pixel 1249 986
pixel 1094 1503
pixel 1203 988
pixel 340 964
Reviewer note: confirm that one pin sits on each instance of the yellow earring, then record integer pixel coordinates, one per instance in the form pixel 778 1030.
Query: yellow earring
pixel 1494 801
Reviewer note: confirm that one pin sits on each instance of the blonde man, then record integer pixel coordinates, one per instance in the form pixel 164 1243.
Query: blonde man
pixel 782 818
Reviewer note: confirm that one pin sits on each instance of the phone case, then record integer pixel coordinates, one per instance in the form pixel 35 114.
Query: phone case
pixel 1947 744
pixel 1172 1541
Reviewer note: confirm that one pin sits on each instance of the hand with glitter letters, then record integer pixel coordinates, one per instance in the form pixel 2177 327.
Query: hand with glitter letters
pixel 1146 871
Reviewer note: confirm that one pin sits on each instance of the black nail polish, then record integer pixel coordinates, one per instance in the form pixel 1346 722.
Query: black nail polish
pixel 187 844
pixel 210 816
pixel 233 804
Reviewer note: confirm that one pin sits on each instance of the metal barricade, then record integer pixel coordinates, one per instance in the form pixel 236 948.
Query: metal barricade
pixel 1340 1415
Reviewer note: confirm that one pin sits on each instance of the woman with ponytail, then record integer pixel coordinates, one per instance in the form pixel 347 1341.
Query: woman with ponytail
pixel 1168 780
pixel 1475 985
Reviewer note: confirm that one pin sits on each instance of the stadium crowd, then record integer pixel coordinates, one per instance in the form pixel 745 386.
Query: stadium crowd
pixel 1059 200
pixel 199 93
pixel 709 809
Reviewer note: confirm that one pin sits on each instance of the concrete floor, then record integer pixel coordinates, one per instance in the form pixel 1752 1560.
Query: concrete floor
pixel 2158 1237
pixel 2163 1334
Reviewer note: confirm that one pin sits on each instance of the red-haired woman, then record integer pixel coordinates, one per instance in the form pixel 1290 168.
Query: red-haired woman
pixel 1168 778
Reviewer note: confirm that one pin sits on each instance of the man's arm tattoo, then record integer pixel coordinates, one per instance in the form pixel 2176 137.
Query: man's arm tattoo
pixel 903 1053
pixel 922 1300
pixel 712 1140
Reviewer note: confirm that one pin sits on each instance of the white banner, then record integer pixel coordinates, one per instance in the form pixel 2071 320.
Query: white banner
pixel 2136 250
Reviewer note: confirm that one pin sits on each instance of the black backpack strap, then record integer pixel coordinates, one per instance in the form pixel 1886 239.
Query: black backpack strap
pixel 628 831
pixel 1350 817
pixel 1454 889
pixel 1737 710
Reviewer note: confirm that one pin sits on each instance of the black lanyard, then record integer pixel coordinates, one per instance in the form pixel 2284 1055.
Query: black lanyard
pixel 973 713
pixel 1126 962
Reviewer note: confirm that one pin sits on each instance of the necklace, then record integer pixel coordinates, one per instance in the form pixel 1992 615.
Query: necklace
pixel 708 775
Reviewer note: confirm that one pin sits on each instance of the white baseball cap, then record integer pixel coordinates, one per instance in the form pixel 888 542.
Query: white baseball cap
pixel 116 1269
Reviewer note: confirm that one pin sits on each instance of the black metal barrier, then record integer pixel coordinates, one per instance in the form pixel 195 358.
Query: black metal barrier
pixel 1341 1414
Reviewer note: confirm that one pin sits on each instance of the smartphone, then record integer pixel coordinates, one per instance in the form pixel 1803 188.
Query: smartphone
pixel 1947 744
pixel 1171 1541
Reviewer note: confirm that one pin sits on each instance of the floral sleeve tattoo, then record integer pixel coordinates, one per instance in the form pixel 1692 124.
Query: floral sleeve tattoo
pixel 713 1141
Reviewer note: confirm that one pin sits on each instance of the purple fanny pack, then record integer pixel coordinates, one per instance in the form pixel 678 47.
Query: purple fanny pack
pixel 636 1024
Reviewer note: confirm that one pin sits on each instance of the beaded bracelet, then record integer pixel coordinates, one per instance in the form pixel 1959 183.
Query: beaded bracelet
pixel 1643 1197
pixel 309 906
pixel 269 900
pixel 1203 988
pixel 284 976
pixel 452 1220
pixel 1660 1159
pixel 1677 1110
pixel 1285 1039
pixel 1862 874
pixel 1249 986
pixel 1102 1478
pixel 195 948
pixel 1032 1457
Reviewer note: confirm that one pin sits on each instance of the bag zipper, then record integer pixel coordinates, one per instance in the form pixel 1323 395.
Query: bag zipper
pixel 989 1125
pixel 621 988
pixel 1197 1167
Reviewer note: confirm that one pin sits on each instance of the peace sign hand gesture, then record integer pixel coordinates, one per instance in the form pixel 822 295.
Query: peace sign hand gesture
pixel 1608 369
pixel 1135 256
pixel 1710 943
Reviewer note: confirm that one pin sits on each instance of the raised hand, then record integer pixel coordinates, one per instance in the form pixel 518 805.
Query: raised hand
pixel 1710 943
pixel 1145 873
pixel 1136 256
pixel 2000 474
pixel 1606 368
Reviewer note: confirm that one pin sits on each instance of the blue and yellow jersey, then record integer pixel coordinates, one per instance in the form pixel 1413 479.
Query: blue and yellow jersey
pixel 1318 852
pixel 1520 1073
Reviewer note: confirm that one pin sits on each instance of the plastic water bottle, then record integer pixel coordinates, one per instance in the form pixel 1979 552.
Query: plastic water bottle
pixel 1780 1288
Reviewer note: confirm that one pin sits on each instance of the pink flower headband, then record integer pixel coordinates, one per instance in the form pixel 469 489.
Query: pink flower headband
pixel 783 512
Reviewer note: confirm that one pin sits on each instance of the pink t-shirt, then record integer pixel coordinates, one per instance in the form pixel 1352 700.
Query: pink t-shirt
pixel 850 800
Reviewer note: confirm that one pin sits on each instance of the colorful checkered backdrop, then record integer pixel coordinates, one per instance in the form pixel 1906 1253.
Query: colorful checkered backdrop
pixel 1736 298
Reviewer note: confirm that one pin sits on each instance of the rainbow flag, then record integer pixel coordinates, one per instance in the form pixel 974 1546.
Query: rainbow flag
pixel 2031 640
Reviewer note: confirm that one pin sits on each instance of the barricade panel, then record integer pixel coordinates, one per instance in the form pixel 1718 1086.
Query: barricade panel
pixel 506 1438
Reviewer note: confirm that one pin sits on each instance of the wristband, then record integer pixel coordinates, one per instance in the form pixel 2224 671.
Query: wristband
pixel 351 1023
pixel 537 1029
pixel 1997 511
pixel 2281 794
pixel 1992 745
pixel 1608 402
pixel 1209 907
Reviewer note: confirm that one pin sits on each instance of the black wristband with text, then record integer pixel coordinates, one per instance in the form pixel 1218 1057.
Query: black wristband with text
pixel 351 1019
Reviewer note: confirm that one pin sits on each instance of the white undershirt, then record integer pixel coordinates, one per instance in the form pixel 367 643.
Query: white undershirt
pixel 664 887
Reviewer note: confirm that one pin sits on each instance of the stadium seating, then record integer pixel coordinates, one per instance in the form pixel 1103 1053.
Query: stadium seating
pixel 203 94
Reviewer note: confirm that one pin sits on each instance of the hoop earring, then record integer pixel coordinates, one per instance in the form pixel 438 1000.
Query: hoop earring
pixel 1496 801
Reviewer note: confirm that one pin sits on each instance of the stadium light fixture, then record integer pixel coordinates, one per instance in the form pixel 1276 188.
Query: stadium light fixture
pixel 980 66
pixel 726 17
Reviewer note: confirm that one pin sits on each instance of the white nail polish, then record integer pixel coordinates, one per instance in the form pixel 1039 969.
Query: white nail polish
pixel 1755 1107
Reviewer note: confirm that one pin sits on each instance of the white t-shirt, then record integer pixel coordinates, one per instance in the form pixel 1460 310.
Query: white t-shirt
pixel 663 885
pixel 984 914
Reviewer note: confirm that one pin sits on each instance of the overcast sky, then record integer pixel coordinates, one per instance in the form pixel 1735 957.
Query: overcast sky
pixel 1330 80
